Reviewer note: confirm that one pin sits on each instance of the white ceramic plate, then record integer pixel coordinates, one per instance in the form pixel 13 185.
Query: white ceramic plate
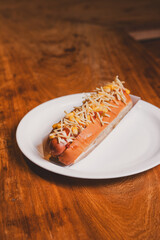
pixel 132 147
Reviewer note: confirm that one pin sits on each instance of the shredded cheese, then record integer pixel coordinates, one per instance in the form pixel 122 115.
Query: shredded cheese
pixel 96 105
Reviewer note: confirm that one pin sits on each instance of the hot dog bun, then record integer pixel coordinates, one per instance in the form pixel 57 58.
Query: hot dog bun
pixel 99 118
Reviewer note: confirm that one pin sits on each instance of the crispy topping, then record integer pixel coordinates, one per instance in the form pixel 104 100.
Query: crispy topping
pixel 95 105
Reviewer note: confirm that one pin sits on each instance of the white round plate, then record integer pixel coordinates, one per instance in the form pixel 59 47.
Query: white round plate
pixel 132 147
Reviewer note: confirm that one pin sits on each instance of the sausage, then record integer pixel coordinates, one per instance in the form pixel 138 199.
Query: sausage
pixel 56 148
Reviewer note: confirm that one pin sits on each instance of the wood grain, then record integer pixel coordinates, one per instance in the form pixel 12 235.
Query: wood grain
pixel 43 60
pixel 154 47
pixel 125 14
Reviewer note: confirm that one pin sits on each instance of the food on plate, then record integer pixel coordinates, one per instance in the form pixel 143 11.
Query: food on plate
pixel 81 130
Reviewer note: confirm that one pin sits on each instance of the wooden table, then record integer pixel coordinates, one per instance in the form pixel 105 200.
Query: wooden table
pixel 40 61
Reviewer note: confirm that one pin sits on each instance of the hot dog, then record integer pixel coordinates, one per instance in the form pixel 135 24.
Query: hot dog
pixel 81 130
